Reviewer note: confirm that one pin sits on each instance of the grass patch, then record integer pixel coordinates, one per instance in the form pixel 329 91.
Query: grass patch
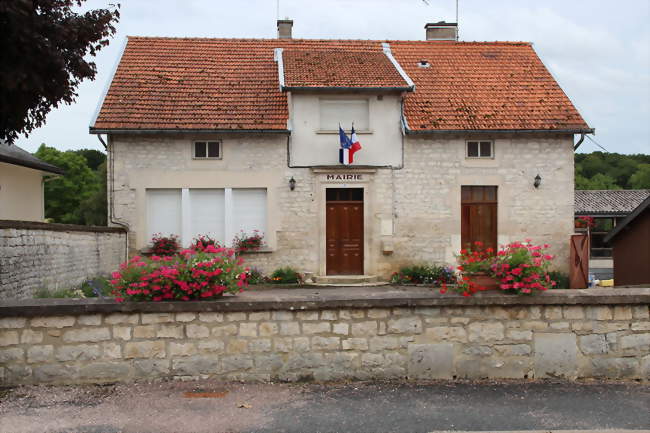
pixel 94 288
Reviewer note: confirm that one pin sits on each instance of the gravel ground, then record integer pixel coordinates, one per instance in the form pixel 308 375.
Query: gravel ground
pixel 211 406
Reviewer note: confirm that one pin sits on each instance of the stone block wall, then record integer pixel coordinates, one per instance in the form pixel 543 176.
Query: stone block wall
pixel 55 256
pixel 420 199
pixel 424 342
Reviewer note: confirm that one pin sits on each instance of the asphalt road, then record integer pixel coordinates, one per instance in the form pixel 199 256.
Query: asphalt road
pixel 464 406
pixel 210 406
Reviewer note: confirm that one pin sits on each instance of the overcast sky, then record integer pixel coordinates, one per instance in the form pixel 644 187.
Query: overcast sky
pixel 598 50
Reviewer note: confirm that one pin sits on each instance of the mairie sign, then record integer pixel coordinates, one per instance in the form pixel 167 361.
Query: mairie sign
pixel 343 177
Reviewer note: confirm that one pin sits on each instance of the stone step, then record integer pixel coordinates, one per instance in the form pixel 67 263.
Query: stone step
pixel 345 279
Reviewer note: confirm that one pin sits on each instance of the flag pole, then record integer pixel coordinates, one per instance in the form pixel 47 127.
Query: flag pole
pixel 457 20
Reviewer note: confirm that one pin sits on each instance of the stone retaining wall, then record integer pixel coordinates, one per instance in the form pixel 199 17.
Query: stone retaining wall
pixel 53 256
pixel 236 342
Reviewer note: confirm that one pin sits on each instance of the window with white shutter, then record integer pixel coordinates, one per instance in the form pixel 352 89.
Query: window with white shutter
pixel 249 210
pixel 207 213
pixel 163 212
pixel 219 213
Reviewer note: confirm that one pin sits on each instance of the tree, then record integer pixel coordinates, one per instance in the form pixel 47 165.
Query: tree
pixel 641 178
pixel 603 181
pixel 65 196
pixel 94 157
pixel 93 210
pixel 599 170
pixel 42 60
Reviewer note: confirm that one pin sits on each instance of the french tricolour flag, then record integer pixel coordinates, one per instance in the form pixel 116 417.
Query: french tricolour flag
pixel 348 146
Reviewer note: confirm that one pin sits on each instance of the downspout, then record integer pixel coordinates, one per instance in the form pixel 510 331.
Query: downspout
pixel 577 145
pixel 111 195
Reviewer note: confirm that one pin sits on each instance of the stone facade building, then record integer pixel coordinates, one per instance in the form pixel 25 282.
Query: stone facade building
pixel 461 141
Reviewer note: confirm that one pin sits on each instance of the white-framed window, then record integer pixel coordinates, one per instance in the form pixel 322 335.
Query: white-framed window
pixel 220 213
pixel 208 149
pixel 344 111
pixel 479 149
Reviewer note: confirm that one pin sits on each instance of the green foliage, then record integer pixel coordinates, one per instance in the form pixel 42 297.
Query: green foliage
pixel 255 276
pixel 285 275
pixel 94 209
pixel 599 181
pixel 93 288
pixel 78 197
pixel 94 158
pixel 423 274
pixel 59 293
pixel 560 278
pixel 599 170
pixel 96 287
pixel 46 50
pixel 641 178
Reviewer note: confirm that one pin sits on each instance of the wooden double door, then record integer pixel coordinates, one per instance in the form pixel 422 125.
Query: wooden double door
pixel 344 231
pixel 479 216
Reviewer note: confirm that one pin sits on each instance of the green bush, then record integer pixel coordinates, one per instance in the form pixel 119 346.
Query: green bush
pixel 59 293
pixel 255 276
pixel 285 275
pixel 423 274
pixel 560 278
pixel 96 287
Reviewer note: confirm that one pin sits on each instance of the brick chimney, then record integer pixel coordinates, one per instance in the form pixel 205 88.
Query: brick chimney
pixel 284 28
pixel 441 31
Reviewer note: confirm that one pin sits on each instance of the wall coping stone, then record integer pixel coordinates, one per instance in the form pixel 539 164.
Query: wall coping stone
pixel 35 225
pixel 326 298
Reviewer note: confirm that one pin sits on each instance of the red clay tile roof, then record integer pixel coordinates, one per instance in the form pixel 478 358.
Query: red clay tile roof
pixel 233 84
pixel 482 85
pixel 338 68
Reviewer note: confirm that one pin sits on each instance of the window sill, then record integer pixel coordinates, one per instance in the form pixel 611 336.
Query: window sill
pixel 334 131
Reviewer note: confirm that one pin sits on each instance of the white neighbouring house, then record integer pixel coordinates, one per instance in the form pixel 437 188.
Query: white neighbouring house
pixel 218 136
pixel 22 177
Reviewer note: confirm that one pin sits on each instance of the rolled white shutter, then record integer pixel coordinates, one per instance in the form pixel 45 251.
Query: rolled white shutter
pixel 163 212
pixel 207 213
pixel 249 210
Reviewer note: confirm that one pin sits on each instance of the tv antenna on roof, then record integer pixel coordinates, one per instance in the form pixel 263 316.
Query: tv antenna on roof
pixel 426 2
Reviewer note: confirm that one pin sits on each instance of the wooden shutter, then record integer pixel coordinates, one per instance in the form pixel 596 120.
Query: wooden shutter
pixel 479 216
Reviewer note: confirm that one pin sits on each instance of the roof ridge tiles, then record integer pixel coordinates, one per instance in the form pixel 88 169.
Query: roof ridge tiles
pixel 283 41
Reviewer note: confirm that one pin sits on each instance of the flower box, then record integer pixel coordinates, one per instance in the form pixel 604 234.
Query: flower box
pixel 483 280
